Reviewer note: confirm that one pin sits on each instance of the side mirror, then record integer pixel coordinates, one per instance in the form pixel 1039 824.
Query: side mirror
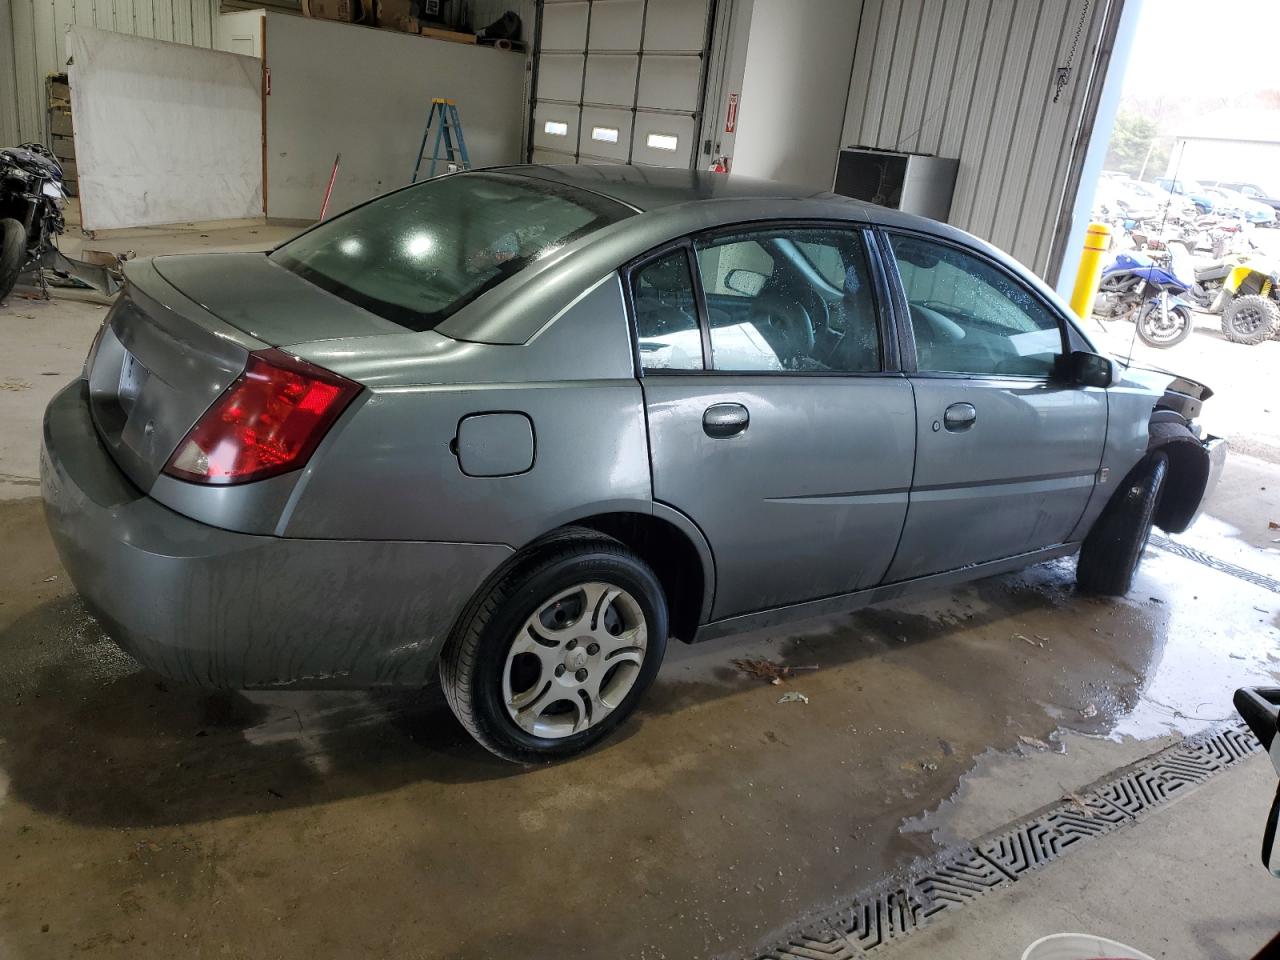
pixel 1260 708
pixel 746 282
pixel 1090 369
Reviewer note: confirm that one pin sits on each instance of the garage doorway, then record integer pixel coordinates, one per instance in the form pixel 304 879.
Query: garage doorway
pixel 620 81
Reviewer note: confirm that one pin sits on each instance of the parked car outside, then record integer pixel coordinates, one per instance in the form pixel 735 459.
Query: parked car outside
pixel 1234 203
pixel 1190 189
pixel 519 426
pixel 1114 200
pixel 1167 205
pixel 1253 192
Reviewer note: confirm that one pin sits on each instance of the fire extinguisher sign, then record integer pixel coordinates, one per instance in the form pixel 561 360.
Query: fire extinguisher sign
pixel 731 114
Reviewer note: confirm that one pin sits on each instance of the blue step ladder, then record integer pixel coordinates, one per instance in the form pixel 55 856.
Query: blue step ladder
pixel 444 115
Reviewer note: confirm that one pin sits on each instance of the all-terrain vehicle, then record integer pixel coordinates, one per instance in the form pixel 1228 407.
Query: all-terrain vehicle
pixel 1245 290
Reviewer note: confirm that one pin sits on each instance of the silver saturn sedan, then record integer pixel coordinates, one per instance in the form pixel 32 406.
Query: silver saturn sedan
pixel 519 426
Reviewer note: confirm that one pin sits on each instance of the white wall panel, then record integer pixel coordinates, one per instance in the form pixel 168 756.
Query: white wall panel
pixel 616 25
pixel 164 133
pixel 555 127
pixel 677 130
pixel 799 59
pixel 315 111
pixel 560 77
pixel 606 134
pixel 564 26
pixel 39 40
pixel 669 83
pixel 8 79
pixel 611 79
pixel 676 25
pixel 974 80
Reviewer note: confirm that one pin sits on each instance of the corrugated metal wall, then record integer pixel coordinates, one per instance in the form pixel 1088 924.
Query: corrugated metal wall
pixel 975 80
pixel 39 42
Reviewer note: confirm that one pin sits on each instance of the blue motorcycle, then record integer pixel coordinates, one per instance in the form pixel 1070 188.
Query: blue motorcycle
pixel 1134 287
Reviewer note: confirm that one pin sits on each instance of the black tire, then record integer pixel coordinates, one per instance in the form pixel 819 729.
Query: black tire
pixel 1250 319
pixel 13 254
pixel 474 662
pixel 1150 334
pixel 1110 554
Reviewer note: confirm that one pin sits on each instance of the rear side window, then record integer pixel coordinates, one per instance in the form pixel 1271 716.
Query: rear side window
pixel 419 255
pixel 667 314
pixel 793 300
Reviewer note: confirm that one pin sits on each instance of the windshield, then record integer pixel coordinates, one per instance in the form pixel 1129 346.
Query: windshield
pixel 418 255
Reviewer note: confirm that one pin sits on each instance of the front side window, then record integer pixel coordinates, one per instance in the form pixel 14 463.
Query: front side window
pixel 790 300
pixel 666 309
pixel 972 317
pixel 416 256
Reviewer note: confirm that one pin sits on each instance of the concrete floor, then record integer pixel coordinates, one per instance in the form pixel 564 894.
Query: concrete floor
pixel 140 819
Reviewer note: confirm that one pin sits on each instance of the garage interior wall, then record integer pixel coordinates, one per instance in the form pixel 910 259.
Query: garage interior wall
pixel 36 32
pixel 794 85
pixel 375 119
pixel 164 133
pixel 976 80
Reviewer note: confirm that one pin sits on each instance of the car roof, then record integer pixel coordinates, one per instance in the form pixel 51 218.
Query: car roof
pixel 670 204
pixel 650 188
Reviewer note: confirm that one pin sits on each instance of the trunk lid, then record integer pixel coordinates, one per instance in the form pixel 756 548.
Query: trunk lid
pixel 266 301
pixel 158 364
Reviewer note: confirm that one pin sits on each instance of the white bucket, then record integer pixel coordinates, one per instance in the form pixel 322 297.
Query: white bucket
pixel 1079 946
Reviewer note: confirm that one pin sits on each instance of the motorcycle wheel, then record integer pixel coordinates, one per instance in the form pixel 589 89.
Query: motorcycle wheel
pixel 1250 319
pixel 13 254
pixel 1155 333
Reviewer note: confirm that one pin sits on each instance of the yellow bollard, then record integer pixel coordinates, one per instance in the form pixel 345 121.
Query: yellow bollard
pixel 1096 240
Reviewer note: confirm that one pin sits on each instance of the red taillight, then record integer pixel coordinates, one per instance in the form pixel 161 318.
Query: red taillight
pixel 269 421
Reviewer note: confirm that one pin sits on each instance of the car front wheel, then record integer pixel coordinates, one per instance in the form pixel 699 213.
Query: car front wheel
pixel 1110 553
pixel 556 653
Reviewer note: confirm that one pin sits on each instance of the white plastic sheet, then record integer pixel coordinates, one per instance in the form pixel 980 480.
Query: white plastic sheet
pixel 164 132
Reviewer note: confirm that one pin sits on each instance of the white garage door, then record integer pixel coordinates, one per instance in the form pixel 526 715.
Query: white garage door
pixel 619 81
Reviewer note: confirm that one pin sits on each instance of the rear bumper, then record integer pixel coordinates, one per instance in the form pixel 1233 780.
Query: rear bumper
pixel 215 608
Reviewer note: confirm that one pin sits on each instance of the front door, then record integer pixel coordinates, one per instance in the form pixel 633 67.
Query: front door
pixel 773 422
pixel 1006 452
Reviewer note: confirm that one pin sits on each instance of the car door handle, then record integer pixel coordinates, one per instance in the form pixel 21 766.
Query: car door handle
pixel 723 420
pixel 960 416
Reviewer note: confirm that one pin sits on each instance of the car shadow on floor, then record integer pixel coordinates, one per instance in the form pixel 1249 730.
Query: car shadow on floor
pixel 87 735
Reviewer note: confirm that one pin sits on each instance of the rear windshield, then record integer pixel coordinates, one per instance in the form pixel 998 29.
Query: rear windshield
pixel 418 255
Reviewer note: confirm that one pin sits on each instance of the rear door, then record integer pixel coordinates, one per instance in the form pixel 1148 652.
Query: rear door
pixel 1006 452
pixel 777 418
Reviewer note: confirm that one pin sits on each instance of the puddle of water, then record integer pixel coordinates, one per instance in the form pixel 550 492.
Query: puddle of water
pixel 1221 634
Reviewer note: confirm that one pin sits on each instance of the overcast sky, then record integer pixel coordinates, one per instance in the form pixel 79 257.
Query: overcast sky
pixel 1213 49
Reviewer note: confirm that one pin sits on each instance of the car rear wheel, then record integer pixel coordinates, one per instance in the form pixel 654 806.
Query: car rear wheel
pixel 1110 554
pixel 1250 319
pixel 551 657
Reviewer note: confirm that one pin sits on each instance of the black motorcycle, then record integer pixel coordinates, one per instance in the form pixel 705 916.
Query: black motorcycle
pixel 32 199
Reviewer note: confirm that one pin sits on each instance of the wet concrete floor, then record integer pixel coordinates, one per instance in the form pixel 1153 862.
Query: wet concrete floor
pixel 142 819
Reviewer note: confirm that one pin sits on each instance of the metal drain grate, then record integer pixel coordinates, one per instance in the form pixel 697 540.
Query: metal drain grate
pixel 894 908
pixel 1190 553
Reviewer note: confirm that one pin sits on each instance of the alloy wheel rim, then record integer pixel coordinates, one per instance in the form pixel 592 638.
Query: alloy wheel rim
pixel 574 660
pixel 1248 319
